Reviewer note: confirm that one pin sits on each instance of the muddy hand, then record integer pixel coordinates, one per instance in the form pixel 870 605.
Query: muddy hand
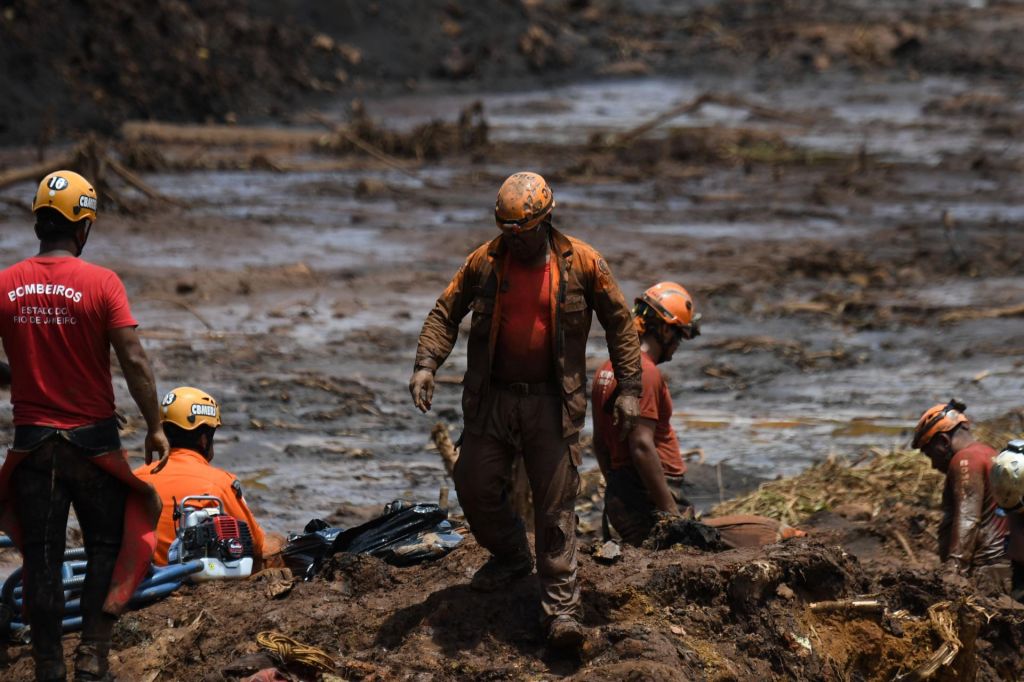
pixel 421 387
pixel 156 442
pixel 627 411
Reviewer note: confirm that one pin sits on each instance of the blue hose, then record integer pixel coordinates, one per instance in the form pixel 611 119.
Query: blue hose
pixel 69 584
pixel 162 581
pixel 153 592
pixel 162 575
pixel 69 624
pixel 141 596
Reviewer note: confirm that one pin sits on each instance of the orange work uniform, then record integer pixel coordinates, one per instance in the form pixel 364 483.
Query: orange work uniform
pixel 189 473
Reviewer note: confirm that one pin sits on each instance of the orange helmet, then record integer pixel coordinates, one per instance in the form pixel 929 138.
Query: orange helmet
pixel 69 194
pixel 938 419
pixel 524 200
pixel 672 305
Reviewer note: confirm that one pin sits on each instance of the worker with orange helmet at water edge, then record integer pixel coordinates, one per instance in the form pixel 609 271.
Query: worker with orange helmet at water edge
pixel 971 533
pixel 59 317
pixel 644 471
pixel 532 291
pixel 191 418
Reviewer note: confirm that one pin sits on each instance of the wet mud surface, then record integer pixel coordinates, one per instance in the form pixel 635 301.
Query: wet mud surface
pixel 837 285
pixel 842 198
pixel 677 614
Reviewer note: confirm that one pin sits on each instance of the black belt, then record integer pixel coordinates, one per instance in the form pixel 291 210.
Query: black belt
pixel 523 388
pixel 95 439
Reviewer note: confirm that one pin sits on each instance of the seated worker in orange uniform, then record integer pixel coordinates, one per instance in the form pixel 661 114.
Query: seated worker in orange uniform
pixel 190 420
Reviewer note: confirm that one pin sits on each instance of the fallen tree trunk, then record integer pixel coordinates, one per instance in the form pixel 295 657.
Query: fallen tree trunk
pixel 983 313
pixel 35 171
pixel 175 133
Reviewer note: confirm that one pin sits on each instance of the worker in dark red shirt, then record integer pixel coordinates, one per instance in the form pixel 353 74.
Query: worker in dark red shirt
pixel 971 533
pixel 533 292
pixel 644 471
pixel 59 317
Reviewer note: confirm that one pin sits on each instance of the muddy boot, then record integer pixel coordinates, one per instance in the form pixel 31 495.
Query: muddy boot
pixel 497 573
pixel 91 663
pixel 565 633
pixel 51 670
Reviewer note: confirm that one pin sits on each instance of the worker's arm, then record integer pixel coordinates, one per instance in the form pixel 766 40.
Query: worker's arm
pixel 613 313
pixel 645 458
pixel 967 482
pixel 142 386
pixel 440 331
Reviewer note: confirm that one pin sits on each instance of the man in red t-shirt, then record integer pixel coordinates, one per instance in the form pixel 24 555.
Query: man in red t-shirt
pixel 644 469
pixel 971 533
pixel 59 317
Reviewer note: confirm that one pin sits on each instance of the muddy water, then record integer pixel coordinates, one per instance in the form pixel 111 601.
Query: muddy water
pixel 364 270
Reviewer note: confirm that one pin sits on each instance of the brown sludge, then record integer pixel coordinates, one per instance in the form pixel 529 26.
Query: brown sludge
pixel 832 280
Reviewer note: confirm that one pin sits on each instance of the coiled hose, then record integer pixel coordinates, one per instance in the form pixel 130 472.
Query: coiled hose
pixel 160 582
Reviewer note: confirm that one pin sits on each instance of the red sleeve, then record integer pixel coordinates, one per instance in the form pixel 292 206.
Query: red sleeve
pixel 652 383
pixel 119 313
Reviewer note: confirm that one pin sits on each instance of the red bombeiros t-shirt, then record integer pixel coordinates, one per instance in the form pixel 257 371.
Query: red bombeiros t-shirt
pixel 55 314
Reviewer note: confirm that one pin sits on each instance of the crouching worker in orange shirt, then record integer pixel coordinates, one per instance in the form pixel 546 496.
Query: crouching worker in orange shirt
pixel 190 420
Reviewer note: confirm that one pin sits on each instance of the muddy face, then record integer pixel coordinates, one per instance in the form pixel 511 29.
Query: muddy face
pixel 526 246
pixel 939 452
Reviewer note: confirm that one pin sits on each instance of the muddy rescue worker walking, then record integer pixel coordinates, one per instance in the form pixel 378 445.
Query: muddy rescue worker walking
pixel 191 419
pixel 59 316
pixel 971 534
pixel 645 471
pixel 532 291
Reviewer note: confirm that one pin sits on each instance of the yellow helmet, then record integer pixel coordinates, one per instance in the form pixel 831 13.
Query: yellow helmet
pixel 69 193
pixel 189 408
pixel 524 200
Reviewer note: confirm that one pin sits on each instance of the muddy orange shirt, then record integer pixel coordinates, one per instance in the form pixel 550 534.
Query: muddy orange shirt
pixel 655 404
pixel 523 349
pixel 55 317
pixel 188 473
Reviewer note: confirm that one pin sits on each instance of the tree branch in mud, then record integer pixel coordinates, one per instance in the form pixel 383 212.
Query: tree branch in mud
pixel 443 442
pixel 92 159
pixel 35 171
pixel 724 99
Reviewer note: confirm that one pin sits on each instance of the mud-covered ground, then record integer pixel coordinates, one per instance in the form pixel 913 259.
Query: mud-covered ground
pixel 842 198
pixel 672 615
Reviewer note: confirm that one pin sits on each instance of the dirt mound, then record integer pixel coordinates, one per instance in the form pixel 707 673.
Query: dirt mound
pixel 90 65
pixel 786 610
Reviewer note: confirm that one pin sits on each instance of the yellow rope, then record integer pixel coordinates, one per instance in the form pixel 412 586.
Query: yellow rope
pixel 290 650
